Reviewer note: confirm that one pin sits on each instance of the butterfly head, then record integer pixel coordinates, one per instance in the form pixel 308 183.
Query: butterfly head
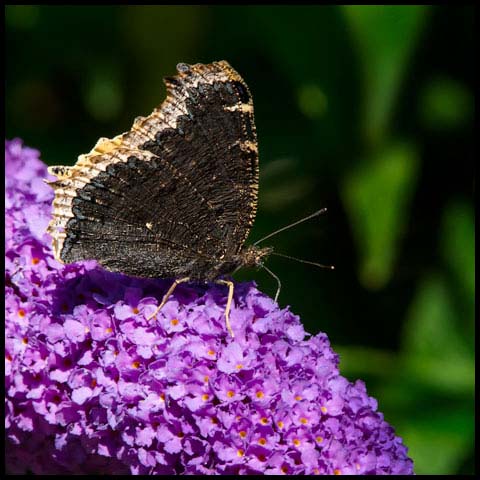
pixel 253 256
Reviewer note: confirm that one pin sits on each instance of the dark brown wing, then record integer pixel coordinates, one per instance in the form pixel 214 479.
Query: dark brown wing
pixel 177 194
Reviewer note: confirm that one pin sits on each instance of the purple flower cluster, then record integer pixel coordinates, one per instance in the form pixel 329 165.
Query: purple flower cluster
pixel 92 386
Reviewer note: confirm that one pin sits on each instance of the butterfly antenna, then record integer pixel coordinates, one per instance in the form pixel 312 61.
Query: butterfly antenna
pixel 313 215
pixel 308 262
pixel 279 283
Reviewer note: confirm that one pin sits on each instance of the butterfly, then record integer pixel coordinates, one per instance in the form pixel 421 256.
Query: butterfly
pixel 174 197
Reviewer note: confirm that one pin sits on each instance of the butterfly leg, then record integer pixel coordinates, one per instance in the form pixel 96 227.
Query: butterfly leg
pixel 167 295
pixel 279 283
pixel 229 304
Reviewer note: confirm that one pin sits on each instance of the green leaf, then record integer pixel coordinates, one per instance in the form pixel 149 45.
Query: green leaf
pixel 430 328
pixel 377 198
pixel 435 352
pixel 385 37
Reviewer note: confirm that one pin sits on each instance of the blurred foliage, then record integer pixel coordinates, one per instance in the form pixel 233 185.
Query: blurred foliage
pixel 367 110
pixel 385 39
pixel 378 225
pixel 446 105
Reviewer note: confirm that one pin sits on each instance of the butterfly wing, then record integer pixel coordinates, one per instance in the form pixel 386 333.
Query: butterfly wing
pixel 174 196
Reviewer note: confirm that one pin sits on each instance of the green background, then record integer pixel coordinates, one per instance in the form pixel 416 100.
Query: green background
pixel 365 110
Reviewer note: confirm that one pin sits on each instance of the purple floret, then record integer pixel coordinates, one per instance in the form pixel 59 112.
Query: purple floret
pixel 93 387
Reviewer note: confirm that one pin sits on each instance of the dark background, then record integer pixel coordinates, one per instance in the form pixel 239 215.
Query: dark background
pixel 365 110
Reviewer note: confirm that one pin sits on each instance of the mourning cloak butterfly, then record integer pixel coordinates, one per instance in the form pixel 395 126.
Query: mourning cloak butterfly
pixel 175 196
